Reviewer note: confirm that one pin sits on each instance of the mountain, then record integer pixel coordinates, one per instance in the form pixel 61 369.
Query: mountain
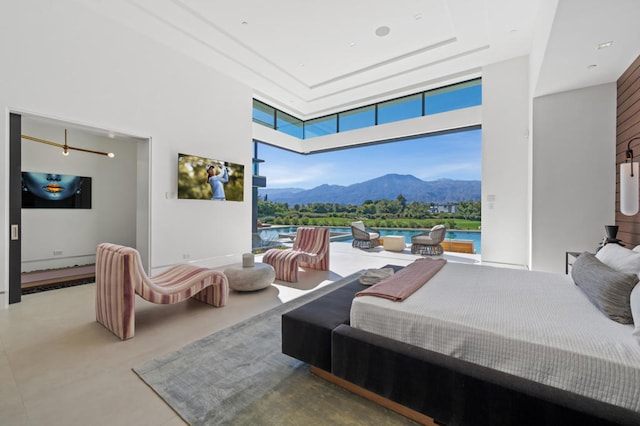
pixel 384 187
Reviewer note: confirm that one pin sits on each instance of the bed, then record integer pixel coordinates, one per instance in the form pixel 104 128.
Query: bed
pixel 480 345
pixel 535 325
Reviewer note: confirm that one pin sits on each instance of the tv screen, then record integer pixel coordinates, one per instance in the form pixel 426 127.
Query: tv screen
pixel 55 191
pixel 201 178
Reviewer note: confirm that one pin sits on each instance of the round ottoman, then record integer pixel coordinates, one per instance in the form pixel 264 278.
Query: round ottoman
pixel 394 243
pixel 251 278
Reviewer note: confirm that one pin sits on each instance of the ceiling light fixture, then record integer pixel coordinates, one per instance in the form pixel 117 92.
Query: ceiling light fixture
pixel 605 45
pixel 66 147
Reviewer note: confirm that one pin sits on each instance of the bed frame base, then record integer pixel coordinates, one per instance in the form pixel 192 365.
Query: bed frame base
pixel 440 389
pixel 375 398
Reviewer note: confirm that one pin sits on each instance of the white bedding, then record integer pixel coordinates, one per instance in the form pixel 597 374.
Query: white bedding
pixel 535 325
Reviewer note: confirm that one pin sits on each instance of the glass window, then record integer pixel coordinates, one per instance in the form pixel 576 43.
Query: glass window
pixel 400 109
pixel 458 96
pixel 289 124
pixel 321 126
pixel 357 118
pixel 455 96
pixel 263 114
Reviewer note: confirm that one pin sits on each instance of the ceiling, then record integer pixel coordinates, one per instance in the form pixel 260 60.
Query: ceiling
pixel 315 58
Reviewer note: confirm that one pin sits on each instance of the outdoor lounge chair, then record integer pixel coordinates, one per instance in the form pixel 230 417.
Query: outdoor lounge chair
pixel 310 250
pixel 120 276
pixel 428 243
pixel 363 237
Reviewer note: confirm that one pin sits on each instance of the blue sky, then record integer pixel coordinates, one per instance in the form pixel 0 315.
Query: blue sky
pixel 452 156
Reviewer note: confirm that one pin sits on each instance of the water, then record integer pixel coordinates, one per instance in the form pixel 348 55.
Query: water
pixel 274 233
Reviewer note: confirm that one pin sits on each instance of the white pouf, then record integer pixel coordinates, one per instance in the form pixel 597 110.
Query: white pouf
pixel 251 278
pixel 394 243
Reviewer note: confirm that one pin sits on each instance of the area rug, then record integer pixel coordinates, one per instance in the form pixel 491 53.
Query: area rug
pixel 239 376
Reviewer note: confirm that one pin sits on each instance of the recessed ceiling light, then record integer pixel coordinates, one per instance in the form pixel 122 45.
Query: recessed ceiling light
pixel 417 16
pixel 352 44
pixel 605 45
pixel 383 31
pixel 591 66
pixel 111 135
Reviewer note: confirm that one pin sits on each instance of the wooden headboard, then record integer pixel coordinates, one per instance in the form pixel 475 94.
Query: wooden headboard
pixel 627 127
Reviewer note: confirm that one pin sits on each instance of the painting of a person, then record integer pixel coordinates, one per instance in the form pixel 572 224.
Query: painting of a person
pixel 216 176
pixel 54 190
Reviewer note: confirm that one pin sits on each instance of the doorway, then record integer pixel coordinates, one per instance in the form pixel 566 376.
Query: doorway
pixel 46 244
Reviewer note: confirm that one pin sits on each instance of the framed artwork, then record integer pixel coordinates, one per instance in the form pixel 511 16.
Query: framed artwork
pixel 55 191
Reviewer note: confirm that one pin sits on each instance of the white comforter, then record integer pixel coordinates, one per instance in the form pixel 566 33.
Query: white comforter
pixel 535 325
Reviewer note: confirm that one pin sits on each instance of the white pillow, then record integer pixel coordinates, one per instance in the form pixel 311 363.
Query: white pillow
pixel 636 249
pixel 619 258
pixel 635 310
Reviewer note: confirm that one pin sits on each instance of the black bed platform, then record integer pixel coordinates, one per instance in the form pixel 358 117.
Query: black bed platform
pixel 449 390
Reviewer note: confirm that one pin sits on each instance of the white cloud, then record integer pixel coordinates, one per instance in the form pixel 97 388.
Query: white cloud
pixel 450 170
pixel 298 175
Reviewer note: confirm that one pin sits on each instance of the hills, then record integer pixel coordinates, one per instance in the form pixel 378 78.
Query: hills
pixel 384 187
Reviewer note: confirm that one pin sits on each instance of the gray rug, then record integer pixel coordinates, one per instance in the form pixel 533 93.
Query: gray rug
pixel 239 376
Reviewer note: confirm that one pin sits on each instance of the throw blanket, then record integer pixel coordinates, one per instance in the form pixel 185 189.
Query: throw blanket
pixel 405 282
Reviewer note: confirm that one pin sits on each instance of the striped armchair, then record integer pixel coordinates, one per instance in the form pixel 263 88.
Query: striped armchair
pixel 120 276
pixel 310 250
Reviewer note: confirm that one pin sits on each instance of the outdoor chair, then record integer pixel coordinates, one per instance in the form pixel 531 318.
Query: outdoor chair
pixel 363 237
pixel 428 243
pixel 120 276
pixel 310 250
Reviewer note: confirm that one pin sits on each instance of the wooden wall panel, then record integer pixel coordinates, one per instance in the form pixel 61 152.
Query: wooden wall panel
pixel 627 127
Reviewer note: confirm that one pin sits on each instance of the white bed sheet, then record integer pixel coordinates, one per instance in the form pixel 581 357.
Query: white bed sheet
pixel 535 325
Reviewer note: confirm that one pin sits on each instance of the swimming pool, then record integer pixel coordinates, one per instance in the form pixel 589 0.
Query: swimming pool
pixel 344 234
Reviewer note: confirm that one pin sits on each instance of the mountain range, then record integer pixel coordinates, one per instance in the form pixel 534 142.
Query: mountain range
pixel 383 187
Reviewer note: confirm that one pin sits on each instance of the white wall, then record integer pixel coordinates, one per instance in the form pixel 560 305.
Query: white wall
pixel 76 232
pixel 505 158
pixel 573 173
pixel 64 61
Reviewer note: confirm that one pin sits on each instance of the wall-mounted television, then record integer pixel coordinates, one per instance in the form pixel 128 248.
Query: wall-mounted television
pixel 201 178
pixel 55 191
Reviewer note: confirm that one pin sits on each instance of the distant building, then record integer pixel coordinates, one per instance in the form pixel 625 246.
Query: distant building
pixel 443 208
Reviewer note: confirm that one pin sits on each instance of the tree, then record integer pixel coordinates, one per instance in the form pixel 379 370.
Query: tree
pixel 417 209
pixel 403 202
pixel 366 209
pixel 470 209
pixel 388 207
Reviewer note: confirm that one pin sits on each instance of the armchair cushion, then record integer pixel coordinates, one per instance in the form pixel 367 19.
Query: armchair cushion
pixel 358 225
